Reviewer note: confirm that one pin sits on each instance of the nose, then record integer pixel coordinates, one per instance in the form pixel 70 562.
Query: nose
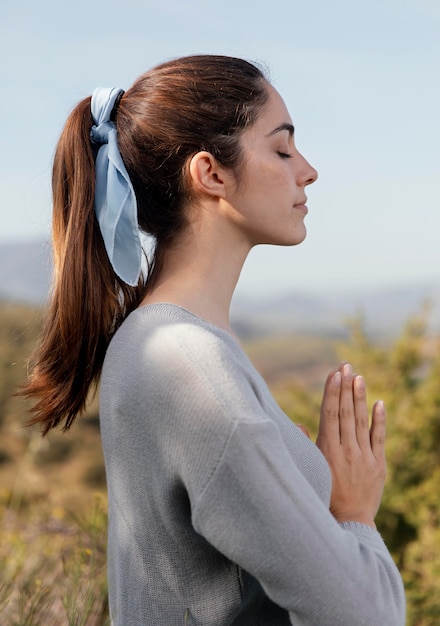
pixel 307 173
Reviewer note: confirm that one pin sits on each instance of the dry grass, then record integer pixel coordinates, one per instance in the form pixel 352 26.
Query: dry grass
pixel 54 565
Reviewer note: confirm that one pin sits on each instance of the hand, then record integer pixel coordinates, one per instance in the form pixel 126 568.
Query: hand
pixel 355 452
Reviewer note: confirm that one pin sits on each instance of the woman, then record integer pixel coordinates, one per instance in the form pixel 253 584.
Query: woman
pixel 221 511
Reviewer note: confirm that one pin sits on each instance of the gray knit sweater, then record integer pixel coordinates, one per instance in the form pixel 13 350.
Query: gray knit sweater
pixel 218 503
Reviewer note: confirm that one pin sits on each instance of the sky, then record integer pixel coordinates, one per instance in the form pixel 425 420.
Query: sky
pixel 361 81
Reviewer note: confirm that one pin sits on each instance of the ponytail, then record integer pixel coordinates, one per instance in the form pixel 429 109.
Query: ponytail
pixel 88 300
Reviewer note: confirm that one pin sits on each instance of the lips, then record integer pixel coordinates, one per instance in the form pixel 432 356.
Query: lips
pixel 301 207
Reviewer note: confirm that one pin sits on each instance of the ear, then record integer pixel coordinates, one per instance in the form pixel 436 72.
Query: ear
pixel 207 175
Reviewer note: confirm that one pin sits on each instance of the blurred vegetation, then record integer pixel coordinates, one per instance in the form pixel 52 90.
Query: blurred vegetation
pixel 53 517
pixel 406 375
pixel 52 490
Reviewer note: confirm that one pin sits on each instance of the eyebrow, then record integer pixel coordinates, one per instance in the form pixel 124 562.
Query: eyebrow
pixel 289 127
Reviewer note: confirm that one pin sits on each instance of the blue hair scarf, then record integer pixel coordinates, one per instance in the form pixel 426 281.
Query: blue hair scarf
pixel 115 200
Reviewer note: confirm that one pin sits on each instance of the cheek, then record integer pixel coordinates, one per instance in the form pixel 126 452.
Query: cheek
pixel 272 178
pixel 281 173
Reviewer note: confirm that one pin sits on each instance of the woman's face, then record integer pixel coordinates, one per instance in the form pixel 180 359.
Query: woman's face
pixel 269 202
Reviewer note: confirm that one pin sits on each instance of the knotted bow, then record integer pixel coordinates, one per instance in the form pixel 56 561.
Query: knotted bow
pixel 115 200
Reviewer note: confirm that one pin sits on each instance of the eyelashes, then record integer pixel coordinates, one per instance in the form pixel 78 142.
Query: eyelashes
pixel 285 155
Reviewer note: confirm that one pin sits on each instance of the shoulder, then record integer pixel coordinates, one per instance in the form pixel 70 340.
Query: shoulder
pixel 179 383
pixel 162 349
pixel 164 332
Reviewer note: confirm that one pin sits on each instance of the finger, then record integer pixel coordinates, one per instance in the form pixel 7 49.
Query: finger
pixel 329 422
pixel 346 407
pixel 378 430
pixel 341 368
pixel 361 413
pixel 329 380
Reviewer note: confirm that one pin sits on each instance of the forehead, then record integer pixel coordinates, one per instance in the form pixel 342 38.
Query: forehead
pixel 275 117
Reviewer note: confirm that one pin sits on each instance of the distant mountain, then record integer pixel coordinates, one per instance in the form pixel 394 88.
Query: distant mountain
pixel 384 311
pixel 25 273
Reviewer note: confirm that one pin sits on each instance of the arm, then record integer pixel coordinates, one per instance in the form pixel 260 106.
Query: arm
pixel 259 510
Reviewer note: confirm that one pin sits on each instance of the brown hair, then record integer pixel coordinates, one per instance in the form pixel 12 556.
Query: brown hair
pixel 168 115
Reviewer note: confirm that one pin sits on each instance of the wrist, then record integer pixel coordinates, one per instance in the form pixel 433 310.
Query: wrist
pixel 359 518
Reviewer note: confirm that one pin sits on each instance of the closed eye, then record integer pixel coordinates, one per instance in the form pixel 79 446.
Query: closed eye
pixel 285 155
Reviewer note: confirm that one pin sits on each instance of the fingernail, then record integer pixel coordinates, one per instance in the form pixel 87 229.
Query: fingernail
pixel 359 381
pixel 337 379
pixel 348 372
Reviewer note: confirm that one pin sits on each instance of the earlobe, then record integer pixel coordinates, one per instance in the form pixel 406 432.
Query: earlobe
pixel 207 174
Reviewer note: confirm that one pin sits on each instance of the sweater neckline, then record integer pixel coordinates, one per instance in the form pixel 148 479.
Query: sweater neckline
pixel 179 312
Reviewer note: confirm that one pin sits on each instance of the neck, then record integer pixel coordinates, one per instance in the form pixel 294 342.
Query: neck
pixel 201 271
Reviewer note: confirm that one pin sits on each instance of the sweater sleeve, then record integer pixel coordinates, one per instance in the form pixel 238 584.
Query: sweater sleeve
pixel 259 510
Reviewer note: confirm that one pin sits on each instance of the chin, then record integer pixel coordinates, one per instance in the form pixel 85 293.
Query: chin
pixel 297 238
